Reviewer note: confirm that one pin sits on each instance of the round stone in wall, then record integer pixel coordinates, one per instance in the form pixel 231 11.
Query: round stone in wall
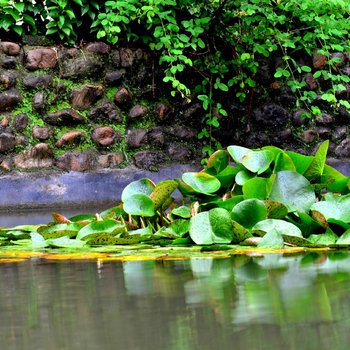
pixel 70 138
pixel 104 136
pixel 138 111
pixel 9 48
pixel 9 99
pixel 42 58
pixel 122 96
pixel 7 142
pixel 41 133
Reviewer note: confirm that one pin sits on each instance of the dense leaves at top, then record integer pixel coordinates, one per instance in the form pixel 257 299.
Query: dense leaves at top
pixel 220 44
pixel 283 198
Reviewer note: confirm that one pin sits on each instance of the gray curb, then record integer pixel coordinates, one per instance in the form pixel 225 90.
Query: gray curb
pixel 22 191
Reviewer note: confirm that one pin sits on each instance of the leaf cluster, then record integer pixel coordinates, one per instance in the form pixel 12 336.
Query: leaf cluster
pixel 267 196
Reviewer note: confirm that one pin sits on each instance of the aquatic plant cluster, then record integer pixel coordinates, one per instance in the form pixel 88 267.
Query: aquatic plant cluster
pixel 267 197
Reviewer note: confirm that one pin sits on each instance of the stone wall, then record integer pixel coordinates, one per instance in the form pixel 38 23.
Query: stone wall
pixel 95 106
pixel 86 108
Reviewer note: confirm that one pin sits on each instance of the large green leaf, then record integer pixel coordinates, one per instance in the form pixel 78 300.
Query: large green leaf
pixel 340 185
pixel 249 212
pixel 338 209
pixel 82 217
pixel 335 174
pixel 258 161
pixel 229 203
pixel 143 186
pixel 14 235
pixel 162 192
pixel 344 238
pixel 182 211
pixel 283 162
pixel 213 226
pixel 24 228
pixel 60 230
pixel 254 161
pixel 315 169
pixel 65 242
pixel 240 233
pixel 118 211
pixel 306 223
pixel 293 190
pixel 238 153
pixel 202 182
pixel 227 176
pixel 243 176
pixel 218 161
pixel 110 227
pixel 275 210
pixel 140 205
pixel 327 238
pixel 281 226
pixel 255 188
pixel 272 239
pixel 300 161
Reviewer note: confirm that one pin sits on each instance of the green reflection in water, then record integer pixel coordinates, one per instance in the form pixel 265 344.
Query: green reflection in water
pixel 262 302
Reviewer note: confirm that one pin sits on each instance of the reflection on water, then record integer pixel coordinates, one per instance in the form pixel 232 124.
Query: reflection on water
pixel 265 302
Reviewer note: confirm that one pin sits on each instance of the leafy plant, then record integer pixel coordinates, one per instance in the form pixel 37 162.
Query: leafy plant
pixel 275 203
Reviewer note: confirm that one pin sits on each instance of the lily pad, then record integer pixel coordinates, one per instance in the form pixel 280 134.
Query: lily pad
pixel 118 211
pixel 281 226
pixel 218 161
pixel 65 242
pixel 143 186
pixel 140 205
pixel 202 182
pixel 106 226
pixel 255 188
pixel 59 230
pixel 254 161
pixel 182 211
pixel 319 217
pixel 227 176
pixel 162 192
pixel 344 238
pixel 283 162
pixel 315 169
pixel 306 223
pixel 229 203
pixel 327 238
pixel 213 226
pixel 13 235
pixel 272 239
pixel 293 190
pixel 300 161
pixel 240 233
pixel 82 218
pixel 243 176
pixel 249 212
pixel 338 210
pixel 25 228
pixel 275 210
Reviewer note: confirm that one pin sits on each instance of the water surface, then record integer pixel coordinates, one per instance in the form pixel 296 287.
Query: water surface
pixel 263 302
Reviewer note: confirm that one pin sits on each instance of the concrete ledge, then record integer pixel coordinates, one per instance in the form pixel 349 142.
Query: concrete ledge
pixel 22 191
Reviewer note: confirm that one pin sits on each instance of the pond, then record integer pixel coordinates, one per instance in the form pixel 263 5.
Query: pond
pixel 268 301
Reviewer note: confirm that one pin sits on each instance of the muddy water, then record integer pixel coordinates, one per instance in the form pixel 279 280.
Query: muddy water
pixel 264 302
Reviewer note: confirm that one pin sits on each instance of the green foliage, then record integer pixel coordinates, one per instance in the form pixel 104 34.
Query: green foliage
pixel 220 44
pixel 285 208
